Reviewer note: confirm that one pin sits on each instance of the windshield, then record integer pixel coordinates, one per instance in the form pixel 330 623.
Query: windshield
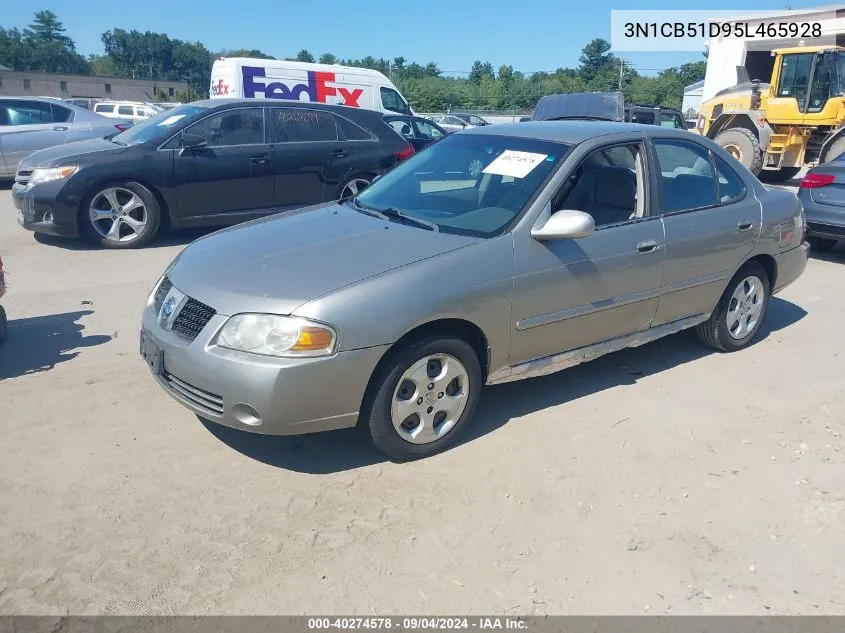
pixel 161 125
pixel 471 184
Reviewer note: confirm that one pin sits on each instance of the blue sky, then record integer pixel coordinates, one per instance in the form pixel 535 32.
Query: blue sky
pixel 537 35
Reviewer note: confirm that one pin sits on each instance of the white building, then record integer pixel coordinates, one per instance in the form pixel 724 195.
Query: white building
pixel 725 54
pixel 692 100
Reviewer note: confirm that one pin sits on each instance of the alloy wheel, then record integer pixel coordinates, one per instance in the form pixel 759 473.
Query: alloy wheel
pixel 118 214
pixel 353 187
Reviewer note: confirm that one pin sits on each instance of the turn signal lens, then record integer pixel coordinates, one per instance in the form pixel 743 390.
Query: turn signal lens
pixel 312 339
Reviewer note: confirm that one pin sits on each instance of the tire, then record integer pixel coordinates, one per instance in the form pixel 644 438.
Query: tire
pixel 836 149
pixel 781 175
pixel 394 439
pixel 821 244
pixel 717 330
pixel 4 325
pixel 354 185
pixel 744 146
pixel 109 205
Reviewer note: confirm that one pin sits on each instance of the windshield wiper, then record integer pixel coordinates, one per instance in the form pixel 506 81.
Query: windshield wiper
pixel 409 219
pixel 365 210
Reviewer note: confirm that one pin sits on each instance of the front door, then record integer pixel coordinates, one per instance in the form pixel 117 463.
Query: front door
pixel 229 179
pixel 301 140
pixel 712 223
pixel 572 293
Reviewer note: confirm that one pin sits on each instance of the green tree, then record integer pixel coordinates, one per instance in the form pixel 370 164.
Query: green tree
pixel 103 66
pixel 46 27
pixel 44 46
pixel 431 70
pixel 480 70
pixel 328 58
pixel 596 59
pixel 304 56
pixel 13 51
pixel 243 52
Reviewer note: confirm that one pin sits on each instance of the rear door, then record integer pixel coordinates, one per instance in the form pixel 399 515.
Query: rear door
pixel 30 126
pixel 301 140
pixel 712 221
pixel 230 179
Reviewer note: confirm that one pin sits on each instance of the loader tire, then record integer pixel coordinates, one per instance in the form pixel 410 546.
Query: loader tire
pixel 744 146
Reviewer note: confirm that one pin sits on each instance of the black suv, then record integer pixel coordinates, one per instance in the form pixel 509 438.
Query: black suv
pixel 208 163
pixel 604 106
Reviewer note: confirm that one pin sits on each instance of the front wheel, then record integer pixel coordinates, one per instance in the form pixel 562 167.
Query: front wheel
pixel 423 398
pixel 121 215
pixel 740 312
pixel 744 146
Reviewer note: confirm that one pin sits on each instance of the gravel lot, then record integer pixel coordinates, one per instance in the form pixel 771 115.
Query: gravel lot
pixel 666 479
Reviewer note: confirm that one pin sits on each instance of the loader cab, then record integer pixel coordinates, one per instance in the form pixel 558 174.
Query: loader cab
pixel 808 86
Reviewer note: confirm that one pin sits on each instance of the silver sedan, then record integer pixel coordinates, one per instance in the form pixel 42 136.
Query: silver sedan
pixel 28 124
pixel 497 254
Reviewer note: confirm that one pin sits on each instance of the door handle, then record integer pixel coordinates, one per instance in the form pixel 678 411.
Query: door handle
pixel 648 246
pixel 745 226
pixel 340 153
pixel 60 128
pixel 260 160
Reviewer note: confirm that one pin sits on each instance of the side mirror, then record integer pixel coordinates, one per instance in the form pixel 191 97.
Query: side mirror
pixel 565 225
pixel 192 142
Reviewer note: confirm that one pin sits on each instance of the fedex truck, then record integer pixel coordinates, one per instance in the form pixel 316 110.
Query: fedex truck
pixel 244 77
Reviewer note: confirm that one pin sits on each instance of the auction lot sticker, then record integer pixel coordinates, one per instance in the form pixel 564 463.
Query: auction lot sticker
pixel 513 163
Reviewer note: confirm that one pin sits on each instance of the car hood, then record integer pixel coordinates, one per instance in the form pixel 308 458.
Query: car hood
pixel 60 155
pixel 277 264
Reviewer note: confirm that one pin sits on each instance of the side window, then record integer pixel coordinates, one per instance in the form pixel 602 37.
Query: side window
pixel 244 126
pixel 391 100
pixel 125 110
pixel 60 114
pixel 104 107
pixel 670 119
pixel 299 125
pixel 686 176
pixel 28 113
pixel 642 116
pixel 352 132
pixel 402 127
pixel 611 193
pixel 427 130
pixel 795 76
pixel 731 187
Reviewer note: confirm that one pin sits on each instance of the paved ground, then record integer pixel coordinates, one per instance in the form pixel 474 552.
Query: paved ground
pixel 666 479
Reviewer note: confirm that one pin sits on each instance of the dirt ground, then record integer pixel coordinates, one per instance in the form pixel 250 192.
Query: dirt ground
pixel 666 479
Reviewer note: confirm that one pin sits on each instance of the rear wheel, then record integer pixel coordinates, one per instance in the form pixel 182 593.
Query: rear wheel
pixel 781 175
pixel 821 244
pixel 353 186
pixel 744 146
pixel 740 311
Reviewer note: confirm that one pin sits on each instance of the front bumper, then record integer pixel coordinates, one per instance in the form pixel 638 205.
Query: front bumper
pixel 790 265
pixel 41 210
pixel 272 396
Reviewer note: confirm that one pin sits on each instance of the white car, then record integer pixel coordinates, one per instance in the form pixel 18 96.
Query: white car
pixel 451 123
pixel 127 110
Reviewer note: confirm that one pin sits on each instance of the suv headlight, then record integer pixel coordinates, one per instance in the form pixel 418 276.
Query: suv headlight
pixel 273 335
pixel 46 174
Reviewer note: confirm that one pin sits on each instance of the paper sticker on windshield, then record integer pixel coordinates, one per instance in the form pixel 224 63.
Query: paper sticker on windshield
pixel 171 120
pixel 513 163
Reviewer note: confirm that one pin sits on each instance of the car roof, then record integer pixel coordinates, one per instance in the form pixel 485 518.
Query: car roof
pixel 572 132
pixel 220 103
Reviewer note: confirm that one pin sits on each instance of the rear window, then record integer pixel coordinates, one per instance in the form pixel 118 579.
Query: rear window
pixel 353 132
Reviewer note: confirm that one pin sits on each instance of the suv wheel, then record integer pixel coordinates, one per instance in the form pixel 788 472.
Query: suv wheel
pixel 121 215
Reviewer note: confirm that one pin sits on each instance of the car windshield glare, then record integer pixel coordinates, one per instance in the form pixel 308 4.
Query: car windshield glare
pixel 161 125
pixel 471 184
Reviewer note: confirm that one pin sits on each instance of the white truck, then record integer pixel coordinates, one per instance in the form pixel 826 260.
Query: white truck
pixel 245 77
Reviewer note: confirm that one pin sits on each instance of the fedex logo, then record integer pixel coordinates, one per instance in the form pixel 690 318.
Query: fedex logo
pixel 219 89
pixel 317 89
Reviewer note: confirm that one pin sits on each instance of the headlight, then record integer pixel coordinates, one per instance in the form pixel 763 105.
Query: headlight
pixel 273 335
pixel 46 174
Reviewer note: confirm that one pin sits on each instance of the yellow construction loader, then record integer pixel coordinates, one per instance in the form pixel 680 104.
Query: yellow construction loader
pixel 777 128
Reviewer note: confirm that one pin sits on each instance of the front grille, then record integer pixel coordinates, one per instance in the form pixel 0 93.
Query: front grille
pixel 192 319
pixel 161 292
pixel 22 177
pixel 200 398
pixel 826 228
